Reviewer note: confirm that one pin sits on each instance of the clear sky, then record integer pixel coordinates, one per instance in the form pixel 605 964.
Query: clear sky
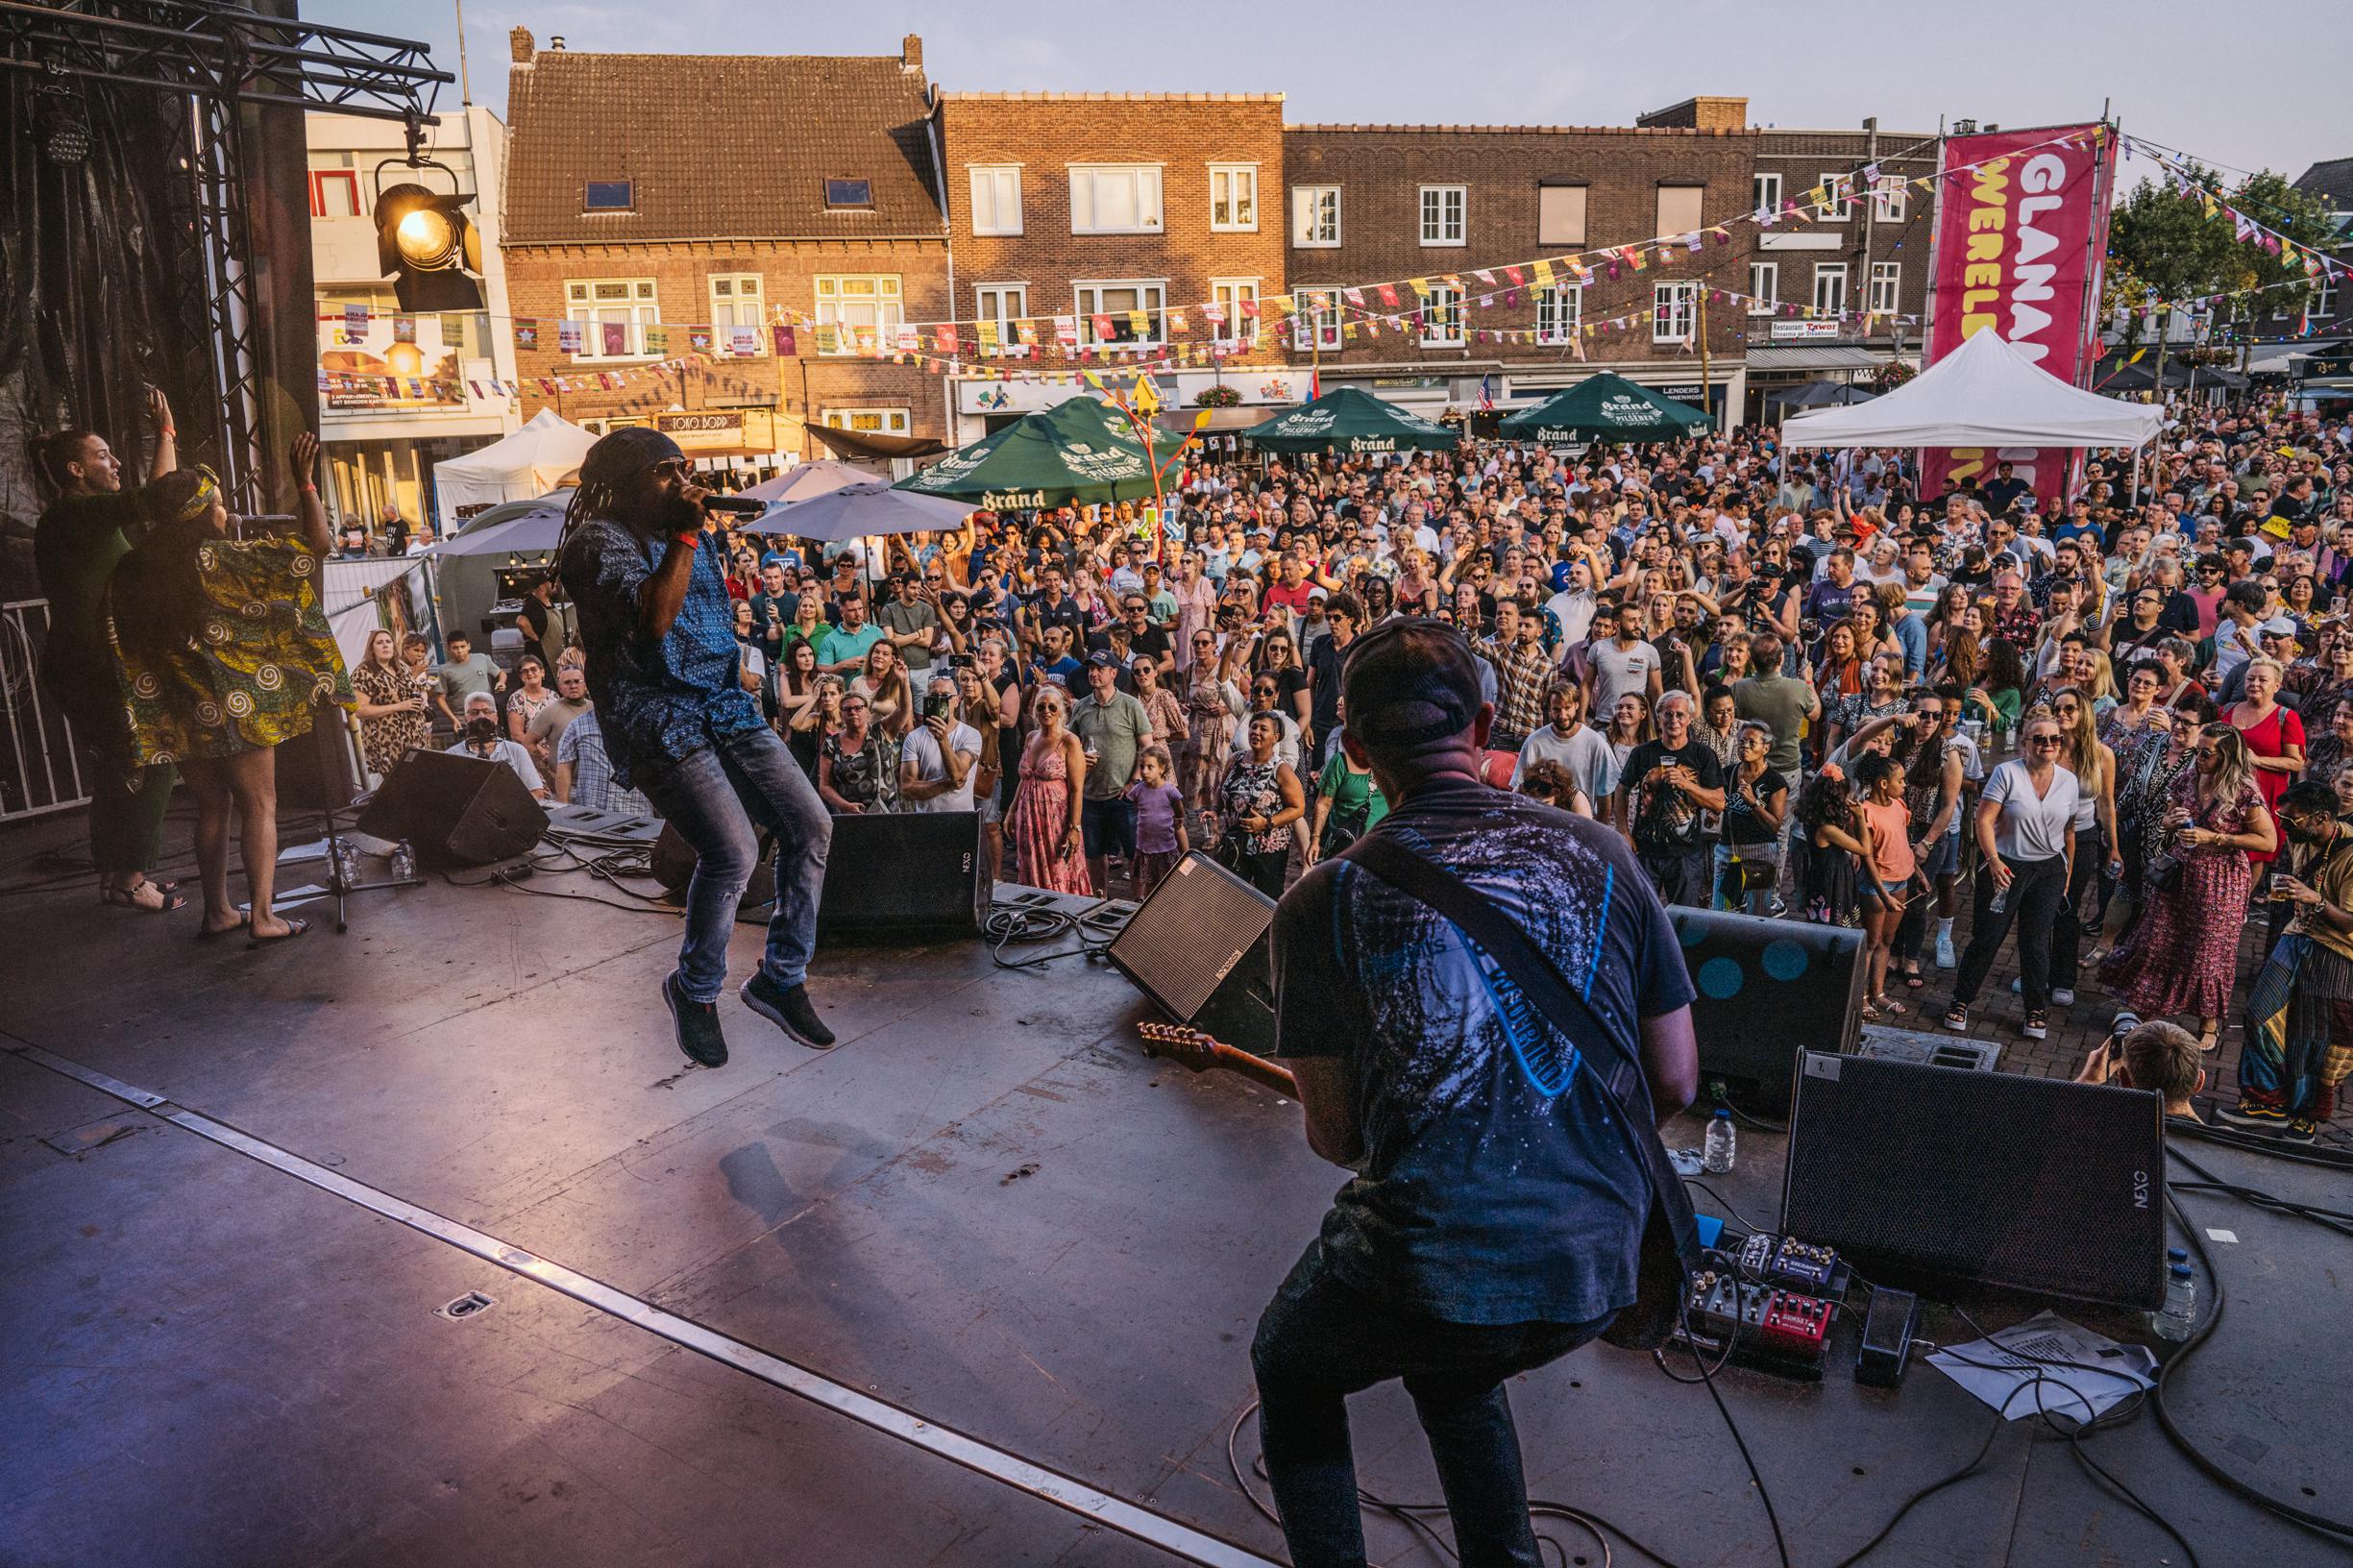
pixel 2251 83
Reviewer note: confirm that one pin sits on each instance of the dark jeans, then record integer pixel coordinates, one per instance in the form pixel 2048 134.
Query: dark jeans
pixel 1108 827
pixel 1683 876
pixel 126 816
pixel 718 799
pixel 1264 872
pixel 1320 1340
pixel 2037 888
pixel 2067 926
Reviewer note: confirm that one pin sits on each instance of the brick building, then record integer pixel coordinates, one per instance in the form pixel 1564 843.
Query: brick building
pixel 1131 221
pixel 1373 204
pixel 1856 269
pixel 662 224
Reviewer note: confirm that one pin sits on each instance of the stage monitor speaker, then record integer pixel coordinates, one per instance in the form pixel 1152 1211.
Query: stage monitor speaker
pixel 456 810
pixel 905 877
pixel 671 860
pixel 1200 949
pixel 1768 990
pixel 1928 1177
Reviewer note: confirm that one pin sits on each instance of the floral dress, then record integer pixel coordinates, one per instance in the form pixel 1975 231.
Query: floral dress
pixel 868 776
pixel 1170 727
pixel 249 678
pixel 1209 738
pixel 2182 956
pixel 384 740
pixel 1255 789
pixel 1042 823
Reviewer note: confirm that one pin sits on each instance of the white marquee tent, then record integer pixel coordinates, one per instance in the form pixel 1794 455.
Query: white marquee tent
pixel 1984 393
pixel 543 455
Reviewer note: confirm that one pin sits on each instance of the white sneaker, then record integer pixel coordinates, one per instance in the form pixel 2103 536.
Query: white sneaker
pixel 2063 996
pixel 1946 958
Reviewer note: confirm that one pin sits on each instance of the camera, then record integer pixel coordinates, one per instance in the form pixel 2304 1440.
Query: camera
pixel 937 705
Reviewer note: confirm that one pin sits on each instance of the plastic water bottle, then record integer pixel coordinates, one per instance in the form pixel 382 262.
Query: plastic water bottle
pixel 2178 1319
pixel 1716 1153
pixel 403 862
pixel 2002 897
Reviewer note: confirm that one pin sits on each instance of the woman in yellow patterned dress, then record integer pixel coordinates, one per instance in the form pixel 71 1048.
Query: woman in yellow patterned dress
pixel 222 649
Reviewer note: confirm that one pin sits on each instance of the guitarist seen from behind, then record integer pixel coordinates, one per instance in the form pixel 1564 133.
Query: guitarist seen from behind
pixel 1494 1220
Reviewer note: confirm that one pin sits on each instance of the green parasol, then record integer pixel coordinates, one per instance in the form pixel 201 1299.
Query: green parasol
pixel 1610 407
pixel 1347 420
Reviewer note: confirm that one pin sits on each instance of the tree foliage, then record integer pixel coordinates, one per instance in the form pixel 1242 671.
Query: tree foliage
pixel 2165 247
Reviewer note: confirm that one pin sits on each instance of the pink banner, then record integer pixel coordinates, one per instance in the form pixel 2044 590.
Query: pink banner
pixel 2021 230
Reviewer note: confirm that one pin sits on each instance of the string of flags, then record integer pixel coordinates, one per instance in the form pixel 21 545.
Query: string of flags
pixel 2316 266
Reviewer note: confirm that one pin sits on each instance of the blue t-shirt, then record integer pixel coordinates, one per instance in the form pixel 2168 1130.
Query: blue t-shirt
pixel 1497 1187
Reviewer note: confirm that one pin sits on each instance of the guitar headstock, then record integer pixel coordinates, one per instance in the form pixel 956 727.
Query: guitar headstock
pixel 1187 1048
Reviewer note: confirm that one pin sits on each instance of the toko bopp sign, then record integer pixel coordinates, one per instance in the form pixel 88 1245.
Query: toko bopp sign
pixel 2021 235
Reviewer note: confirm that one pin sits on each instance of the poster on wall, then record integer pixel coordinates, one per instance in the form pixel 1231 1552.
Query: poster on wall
pixel 2022 232
pixel 380 363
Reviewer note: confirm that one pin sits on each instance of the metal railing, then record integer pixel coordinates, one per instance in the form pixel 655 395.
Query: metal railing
pixel 40 768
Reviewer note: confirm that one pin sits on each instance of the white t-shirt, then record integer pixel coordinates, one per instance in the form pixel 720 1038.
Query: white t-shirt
pixel 1618 671
pixel 924 750
pixel 2030 829
pixel 1587 755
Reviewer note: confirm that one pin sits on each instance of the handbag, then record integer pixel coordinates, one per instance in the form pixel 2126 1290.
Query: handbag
pixel 1670 1233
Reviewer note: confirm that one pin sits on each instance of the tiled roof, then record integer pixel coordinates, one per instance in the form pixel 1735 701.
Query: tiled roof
pixel 732 146
pixel 1113 97
pixel 1522 130
pixel 2331 179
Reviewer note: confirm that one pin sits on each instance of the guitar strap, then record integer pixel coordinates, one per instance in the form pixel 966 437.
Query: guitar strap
pixel 1670 1236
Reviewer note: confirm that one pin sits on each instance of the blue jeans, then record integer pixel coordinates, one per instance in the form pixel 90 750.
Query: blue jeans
pixel 719 799
pixel 1321 1340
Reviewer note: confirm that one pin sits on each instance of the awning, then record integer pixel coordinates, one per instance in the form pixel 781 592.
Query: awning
pixel 1817 357
pixel 869 444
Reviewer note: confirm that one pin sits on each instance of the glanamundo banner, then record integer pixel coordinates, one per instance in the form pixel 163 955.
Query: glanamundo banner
pixel 2020 240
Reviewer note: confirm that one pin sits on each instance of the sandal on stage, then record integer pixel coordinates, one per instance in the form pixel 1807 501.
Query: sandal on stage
pixel 295 927
pixel 168 897
pixel 204 933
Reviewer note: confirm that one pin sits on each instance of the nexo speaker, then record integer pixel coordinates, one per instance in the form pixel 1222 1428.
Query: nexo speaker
pixel 1200 949
pixel 1926 1177
pixel 904 877
pixel 456 810
pixel 1768 990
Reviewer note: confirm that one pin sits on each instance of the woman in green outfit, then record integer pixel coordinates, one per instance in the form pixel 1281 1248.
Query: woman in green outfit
pixel 222 651
pixel 1347 804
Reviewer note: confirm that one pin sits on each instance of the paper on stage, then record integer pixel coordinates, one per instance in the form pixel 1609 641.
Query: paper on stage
pixel 2007 1380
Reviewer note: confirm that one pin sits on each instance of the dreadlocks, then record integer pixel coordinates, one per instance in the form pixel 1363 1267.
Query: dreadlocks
pixel 608 470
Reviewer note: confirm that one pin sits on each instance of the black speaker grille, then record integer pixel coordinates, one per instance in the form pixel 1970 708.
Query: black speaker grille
pixel 1189 936
pixel 1937 1174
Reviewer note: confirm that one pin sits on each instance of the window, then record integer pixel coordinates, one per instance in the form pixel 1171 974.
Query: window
pixel 1679 209
pixel 334 193
pixel 610 196
pixel 736 301
pixel 1764 287
pixel 1230 293
pixel 1840 187
pixel 1887 199
pixel 1442 315
pixel 1234 197
pixel 1003 303
pixel 1317 324
pixel 996 199
pixel 1559 310
pixel 1114 199
pixel 872 421
pixel 1560 215
pixel 1768 191
pixel 1107 312
pixel 1886 283
pixel 1674 311
pixel 1830 288
pixel 1316 217
pixel 860 309
pixel 1442 215
pixel 600 303
pixel 849 194
pixel 2323 300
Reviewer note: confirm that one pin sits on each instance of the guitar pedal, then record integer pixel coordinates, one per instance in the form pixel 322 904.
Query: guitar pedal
pixel 1794 1264
pixel 1796 1326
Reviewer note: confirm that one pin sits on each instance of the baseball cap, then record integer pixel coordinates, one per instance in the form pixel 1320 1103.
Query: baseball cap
pixel 1560 577
pixel 2279 626
pixel 1409 683
pixel 1104 657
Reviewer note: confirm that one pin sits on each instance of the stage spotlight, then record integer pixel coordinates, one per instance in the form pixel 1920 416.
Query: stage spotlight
pixel 426 241
pixel 63 126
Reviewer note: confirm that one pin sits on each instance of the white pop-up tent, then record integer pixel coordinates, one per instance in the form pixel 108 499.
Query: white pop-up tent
pixel 543 455
pixel 1983 394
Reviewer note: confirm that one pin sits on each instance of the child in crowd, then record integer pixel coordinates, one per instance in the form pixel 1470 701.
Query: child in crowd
pixel 1160 821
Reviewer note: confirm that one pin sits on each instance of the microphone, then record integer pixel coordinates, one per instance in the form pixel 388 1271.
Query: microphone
pixel 734 505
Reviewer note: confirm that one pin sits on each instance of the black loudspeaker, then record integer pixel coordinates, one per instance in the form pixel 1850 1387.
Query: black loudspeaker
pixel 1766 991
pixel 912 876
pixel 456 810
pixel 1200 949
pixel 672 859
pixel 1931 1177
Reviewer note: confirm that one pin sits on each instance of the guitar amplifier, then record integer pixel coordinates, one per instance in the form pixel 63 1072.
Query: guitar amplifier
pixel 1768 990
pixel 1199 947
pixel 1925 1177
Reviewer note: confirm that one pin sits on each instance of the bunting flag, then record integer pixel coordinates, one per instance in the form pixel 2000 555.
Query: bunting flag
pixel 568 336
pixel 786 349
pixel 526 335
pixel 745 341
pixel 1388 293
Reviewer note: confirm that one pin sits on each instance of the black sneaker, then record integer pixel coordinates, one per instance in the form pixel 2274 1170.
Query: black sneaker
pixel 2247 1113
pixel 790 1011
pixel 698 1032
pixel 2300 1130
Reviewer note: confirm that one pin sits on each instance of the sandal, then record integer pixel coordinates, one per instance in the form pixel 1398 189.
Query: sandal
pixel 1869 1013
pixel 2210 1043
pixel 167 898
pixel 1913 979
pixel 208 933
pixel 1889 1006
pixel 296 925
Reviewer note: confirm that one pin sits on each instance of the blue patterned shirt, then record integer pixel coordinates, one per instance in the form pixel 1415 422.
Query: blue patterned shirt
pixel 662 701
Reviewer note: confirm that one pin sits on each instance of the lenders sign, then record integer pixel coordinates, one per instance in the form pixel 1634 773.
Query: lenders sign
pixel 2019 242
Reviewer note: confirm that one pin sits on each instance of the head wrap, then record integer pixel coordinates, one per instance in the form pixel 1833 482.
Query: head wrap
pixel 624 453
pixel 200 500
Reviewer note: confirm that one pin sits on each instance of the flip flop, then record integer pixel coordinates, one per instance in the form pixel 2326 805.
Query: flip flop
pixel 207 934
pixel 128 897
pixel 295 927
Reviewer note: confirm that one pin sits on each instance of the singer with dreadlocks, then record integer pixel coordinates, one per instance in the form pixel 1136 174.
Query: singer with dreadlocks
pixel 665 671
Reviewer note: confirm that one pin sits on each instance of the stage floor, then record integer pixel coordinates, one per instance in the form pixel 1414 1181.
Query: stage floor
pixel 986 1206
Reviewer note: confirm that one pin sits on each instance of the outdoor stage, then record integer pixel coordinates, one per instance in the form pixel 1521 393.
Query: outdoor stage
pixel 986 1206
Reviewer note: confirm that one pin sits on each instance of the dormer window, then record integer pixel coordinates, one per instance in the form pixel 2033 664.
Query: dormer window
pixel 849 194
pixel 610 196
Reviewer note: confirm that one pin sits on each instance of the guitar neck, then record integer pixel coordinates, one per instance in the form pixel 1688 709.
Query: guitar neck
pixel 1257 1068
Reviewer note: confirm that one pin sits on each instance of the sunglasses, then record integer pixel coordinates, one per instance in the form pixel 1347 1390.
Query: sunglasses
pixel 2042 740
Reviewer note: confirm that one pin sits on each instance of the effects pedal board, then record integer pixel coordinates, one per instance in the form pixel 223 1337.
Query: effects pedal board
pixel 1792 1265
pixel 1756 1325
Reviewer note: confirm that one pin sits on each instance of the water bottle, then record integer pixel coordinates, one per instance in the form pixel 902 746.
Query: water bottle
pixel 347 862
pixel 403 862
pixel 2002 897
pixel 2178 1318
pixel 1716 1153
